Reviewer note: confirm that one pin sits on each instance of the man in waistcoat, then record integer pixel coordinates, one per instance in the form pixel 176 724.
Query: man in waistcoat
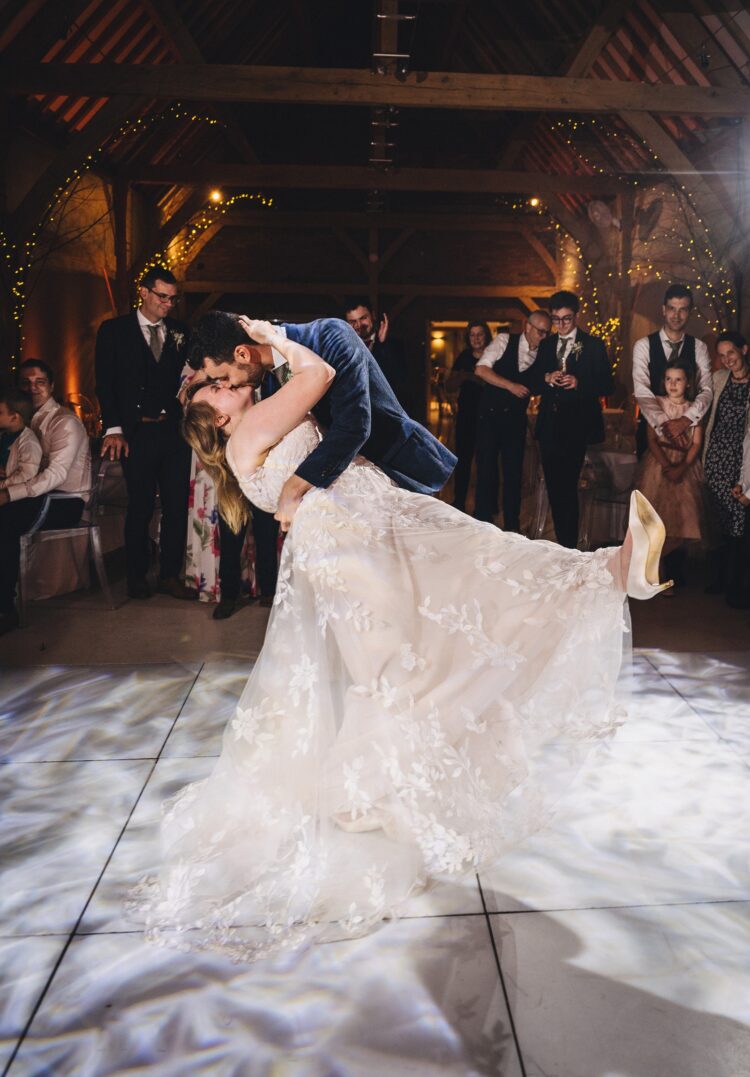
pixel 139 357
pixel 511 377
pixel 652 355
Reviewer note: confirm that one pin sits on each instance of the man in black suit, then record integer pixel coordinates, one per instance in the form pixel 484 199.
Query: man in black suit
pixel 388 351
pixel 139 358
pixel 576 372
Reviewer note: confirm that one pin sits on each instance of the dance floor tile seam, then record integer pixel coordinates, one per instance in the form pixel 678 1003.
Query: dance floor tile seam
pixel 685 856
pixel 73 933
pixel 448 981
pixel 651 994
pixel 501 976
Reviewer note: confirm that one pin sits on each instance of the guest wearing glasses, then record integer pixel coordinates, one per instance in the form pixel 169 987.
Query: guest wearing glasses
pixel 139 358
pixel 575 372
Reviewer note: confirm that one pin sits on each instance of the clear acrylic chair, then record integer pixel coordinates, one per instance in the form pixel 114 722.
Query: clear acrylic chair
pixel 88 527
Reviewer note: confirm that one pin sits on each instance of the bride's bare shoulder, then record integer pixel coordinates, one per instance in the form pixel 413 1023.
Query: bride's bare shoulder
pixel 243 460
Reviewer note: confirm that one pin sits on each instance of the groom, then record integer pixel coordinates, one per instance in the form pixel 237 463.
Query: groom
pixel 360 413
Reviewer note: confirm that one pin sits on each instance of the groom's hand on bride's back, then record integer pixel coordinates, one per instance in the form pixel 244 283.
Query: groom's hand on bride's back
pixel 293 491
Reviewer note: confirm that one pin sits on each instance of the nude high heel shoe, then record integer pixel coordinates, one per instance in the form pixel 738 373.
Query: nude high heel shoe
pixel 645 525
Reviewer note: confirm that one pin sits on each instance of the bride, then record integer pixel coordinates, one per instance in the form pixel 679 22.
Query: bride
pixel 427 688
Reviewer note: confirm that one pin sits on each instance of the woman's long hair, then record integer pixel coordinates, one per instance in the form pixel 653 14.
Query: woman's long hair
pixel 210 446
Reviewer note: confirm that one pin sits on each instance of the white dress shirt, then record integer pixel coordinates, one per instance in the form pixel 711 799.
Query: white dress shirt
pixel 496 349
pixel 647 402
pixel 24 459
pixel 66 458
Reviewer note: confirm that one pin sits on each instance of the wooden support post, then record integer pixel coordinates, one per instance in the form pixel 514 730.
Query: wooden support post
pixel 627 224
pixel 373 268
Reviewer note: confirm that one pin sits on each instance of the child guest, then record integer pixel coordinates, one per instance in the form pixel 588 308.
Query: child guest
pixel 671 475
pixel 20 451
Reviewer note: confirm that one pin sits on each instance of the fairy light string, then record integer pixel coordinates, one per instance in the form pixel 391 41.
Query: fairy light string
pixel 179 252
pixel 19 256
pixel 715 293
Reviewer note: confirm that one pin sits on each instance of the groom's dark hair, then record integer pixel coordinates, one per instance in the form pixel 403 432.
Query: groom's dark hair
pixel 216 335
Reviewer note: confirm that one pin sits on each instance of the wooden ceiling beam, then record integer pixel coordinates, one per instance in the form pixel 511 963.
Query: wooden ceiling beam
pixel 423 222
pixel 335 177
pixel 479 291
pixel 28 214
pixel 643 122
pixel 299 85
pixel 580 63
pixel 175 31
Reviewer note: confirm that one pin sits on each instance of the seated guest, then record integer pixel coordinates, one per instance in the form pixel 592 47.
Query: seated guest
pixel 511 377
pixel 576 372
pixel 463 380
pixel 20 451
pixel 726 460
pixel 66 469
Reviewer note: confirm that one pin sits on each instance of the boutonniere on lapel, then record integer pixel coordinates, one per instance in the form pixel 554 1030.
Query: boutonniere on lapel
pixel 575 349
pixel 176 337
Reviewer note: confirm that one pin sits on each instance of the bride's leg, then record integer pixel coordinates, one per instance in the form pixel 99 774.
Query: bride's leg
pixel 619 562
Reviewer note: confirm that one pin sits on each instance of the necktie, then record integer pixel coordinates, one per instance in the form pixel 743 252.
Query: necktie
pixel 561 349
pixel 154 342
pixel 674 353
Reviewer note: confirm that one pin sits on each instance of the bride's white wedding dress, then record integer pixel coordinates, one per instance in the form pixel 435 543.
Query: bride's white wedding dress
pixel 427 685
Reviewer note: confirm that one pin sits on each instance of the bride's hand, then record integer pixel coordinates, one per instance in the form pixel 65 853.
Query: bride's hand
pixel 261 332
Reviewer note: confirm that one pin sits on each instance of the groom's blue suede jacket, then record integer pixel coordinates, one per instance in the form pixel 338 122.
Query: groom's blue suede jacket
pixel 361 415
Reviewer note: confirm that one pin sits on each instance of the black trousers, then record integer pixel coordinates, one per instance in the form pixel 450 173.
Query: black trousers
pixel 15 520
pixel 562 461
pixel 265 534
pixel 466 439
pixel 500 434
pixel 159 459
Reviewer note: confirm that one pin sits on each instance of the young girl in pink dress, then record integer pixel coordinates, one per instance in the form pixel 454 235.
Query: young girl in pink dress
pixel 671 474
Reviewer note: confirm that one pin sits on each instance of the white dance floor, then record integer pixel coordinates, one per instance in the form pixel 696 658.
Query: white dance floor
pixel 614 944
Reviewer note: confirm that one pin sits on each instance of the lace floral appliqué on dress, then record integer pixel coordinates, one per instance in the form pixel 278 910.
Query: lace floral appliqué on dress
pixel 427 687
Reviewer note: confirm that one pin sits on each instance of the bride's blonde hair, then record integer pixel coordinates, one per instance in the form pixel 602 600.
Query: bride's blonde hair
pixel 210 445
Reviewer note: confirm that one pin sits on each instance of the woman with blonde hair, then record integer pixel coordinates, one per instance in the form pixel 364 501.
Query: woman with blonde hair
pixel 403 720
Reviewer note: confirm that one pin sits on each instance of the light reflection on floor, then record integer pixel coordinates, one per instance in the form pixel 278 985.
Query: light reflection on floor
pixel 620 933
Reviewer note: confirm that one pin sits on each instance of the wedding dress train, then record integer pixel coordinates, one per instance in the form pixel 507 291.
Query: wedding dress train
pixel 427 687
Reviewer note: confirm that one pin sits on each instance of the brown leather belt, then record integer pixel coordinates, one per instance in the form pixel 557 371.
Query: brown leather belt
pixel 158 419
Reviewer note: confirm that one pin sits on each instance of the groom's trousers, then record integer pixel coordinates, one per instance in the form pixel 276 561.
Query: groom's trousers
pixel 265 535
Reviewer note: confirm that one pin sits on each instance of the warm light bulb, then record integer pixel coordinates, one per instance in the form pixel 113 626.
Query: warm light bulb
pixel 534 201
pixel 216 196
